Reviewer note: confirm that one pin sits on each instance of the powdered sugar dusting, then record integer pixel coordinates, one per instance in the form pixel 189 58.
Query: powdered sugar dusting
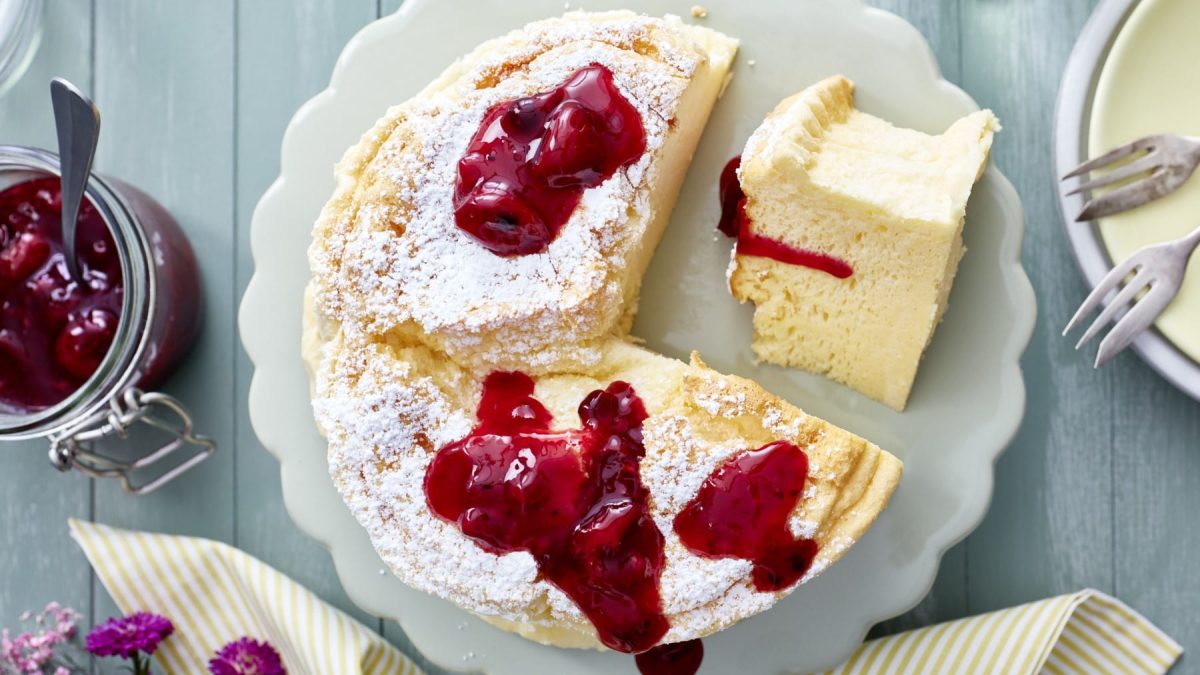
pixel 383 425
pixel 400 259
pixel 718 400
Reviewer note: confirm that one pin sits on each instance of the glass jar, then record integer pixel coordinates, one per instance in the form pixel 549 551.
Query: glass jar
pixel 159 319
pixel 20 34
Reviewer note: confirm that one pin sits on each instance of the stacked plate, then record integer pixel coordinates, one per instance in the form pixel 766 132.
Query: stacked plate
pixel 1134 72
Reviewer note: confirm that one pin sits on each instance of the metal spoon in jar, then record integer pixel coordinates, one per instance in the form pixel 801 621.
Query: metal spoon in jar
pixel 77 121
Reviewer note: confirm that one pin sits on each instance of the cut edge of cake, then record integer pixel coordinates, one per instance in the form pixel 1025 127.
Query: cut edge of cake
pixel 822 176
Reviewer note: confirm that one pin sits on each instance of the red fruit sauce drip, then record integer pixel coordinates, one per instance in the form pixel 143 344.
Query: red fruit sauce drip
pixel 735 223
pixel 573 499
pixel 528 165
pixel 679 658
pixel 54 332
pixel 742 511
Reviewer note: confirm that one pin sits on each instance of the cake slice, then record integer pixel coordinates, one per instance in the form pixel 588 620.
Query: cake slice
pixel 849 236
pixel 401 420
pixel 394 248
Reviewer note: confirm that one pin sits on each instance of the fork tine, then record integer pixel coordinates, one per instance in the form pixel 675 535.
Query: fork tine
pixel 1147 163
pixel 1144 312
pixel 1121 301
pixel 1109 282
pixel 1107 158
pixel 1124 198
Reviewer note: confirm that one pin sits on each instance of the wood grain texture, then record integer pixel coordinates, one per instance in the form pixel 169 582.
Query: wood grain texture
pixel 1049 530
pixel 1156 468
pixel 38 561
pixel 1096 490
pixel 164 83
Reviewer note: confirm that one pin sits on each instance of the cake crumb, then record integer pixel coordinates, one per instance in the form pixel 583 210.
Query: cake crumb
pixel 699 11
pixel 751 63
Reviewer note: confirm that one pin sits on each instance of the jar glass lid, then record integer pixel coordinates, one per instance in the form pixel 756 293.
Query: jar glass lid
pixel 20 33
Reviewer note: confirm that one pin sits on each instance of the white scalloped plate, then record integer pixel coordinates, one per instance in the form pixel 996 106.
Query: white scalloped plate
pixel 968 400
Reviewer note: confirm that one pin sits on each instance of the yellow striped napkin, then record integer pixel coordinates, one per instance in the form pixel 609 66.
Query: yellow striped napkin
pixel 1086 632
pixel 215 594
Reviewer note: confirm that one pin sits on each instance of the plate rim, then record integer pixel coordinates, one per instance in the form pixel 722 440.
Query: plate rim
pixel 974 506
pixel 1072 118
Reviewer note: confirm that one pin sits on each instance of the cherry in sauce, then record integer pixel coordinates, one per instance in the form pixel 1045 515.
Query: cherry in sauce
pixel 573 499
pixel 528 164
pixel 54 332
pixel 742 511
pixel 735 223
pixel 678 658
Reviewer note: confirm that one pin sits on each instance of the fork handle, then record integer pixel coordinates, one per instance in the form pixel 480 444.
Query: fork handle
pixel 1192 240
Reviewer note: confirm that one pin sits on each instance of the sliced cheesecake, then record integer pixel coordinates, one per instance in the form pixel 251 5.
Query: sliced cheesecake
pixel 850 236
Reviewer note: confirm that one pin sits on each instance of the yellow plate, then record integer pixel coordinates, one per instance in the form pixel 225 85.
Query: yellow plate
pixel 1150 83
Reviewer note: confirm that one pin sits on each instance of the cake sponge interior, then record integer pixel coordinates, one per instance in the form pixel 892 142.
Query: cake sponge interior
pixel 820 175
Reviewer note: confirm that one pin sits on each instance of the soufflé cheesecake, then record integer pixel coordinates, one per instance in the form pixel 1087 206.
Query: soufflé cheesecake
pixel 491 424
pixel 849 235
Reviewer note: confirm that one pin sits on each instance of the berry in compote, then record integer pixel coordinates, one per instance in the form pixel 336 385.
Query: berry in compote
pixel 525 170
pixel 573 499
pixel 736 224
pixel 742 511
pixel 677 658
pixel 54 331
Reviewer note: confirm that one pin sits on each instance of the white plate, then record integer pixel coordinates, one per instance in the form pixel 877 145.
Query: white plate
pixel 1073 133
pixel 968 400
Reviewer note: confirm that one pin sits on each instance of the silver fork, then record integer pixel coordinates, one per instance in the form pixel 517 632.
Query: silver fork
pixel 1167 160
pixel 1158 269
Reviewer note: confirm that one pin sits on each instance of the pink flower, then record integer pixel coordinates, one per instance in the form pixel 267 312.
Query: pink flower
pixel 37 649
pixel 246 657
pixel 139 633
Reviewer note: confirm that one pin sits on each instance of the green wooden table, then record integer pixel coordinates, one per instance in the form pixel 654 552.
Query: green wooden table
pixel 1097 490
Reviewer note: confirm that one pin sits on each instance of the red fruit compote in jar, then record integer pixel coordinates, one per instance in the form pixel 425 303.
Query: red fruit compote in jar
pixel 54 330
pixel 67 344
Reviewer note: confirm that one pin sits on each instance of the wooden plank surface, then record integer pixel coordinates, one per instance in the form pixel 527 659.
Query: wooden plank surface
pixel 164 83
pixel 1095 491
pixel 1050 528
pixel 38 561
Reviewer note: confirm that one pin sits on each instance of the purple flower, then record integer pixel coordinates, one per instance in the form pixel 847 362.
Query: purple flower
pixel 139 633
pixel 246 657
